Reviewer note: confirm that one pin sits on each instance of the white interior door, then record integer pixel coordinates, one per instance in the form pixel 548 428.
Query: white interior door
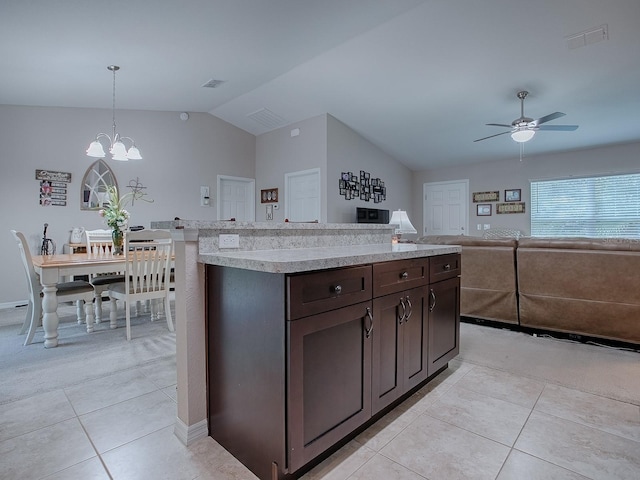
pixel 446 210
pixel 302 196
pixel 236 198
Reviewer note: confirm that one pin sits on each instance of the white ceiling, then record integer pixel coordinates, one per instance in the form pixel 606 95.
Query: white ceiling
pixel 419 78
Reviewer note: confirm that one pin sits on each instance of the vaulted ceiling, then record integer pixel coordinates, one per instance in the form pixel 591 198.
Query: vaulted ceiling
pixel 418 78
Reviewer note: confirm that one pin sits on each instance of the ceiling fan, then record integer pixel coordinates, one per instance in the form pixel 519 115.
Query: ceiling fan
pixel 524 128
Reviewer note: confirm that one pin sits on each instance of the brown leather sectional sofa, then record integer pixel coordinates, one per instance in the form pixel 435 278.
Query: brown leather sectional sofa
pixel 581 286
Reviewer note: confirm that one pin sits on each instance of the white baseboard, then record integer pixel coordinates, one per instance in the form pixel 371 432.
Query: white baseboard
pixel 189 434
pixel 20 303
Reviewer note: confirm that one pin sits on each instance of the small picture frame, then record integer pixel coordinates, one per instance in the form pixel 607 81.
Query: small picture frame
pixel 513 195
pixel 483 209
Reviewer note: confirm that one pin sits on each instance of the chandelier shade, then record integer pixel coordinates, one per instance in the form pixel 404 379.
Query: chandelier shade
pixel 117 148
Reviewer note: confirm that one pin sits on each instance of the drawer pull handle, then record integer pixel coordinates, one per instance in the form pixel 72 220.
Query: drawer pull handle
pixel 404 275
pixel 409 309
pixel 337 289
pixel 402 316
pixel 447 267
pixel 432 296
pixel 369 329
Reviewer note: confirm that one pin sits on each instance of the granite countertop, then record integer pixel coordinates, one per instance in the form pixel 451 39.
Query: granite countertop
pixel 308 259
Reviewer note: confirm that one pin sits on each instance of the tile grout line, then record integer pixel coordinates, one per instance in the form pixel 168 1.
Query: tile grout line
pixel 104 465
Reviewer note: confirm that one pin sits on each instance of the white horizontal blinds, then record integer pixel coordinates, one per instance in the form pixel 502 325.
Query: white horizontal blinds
pixel 587 207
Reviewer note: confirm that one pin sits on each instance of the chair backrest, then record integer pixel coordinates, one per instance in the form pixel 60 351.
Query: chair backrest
pixel 32 277
pixel 99 243
pixel 149 261
pixel 163 236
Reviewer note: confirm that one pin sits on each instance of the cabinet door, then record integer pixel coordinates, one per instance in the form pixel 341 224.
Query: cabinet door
pixel 386 381
pixel 329 392
pixel 400 344
pixel 444 323
pixel 415 337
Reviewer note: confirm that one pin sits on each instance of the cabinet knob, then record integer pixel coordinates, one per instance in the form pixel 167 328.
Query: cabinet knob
pixel 447 267
pixel 404 275
pixel 337 289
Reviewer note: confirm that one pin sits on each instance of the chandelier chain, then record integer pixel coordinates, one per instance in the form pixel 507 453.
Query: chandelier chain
pixel 114 69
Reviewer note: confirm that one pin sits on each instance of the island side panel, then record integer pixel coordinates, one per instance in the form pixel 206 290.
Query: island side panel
pixel 246 362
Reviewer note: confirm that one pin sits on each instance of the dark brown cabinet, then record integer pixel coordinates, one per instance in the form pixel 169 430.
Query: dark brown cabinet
pixel 400 343
pixel 298 362
pixel 329 343
pixel 444 311
pixel 329 380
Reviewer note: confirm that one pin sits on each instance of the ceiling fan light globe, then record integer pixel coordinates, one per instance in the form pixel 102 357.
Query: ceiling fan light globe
pixel 522 136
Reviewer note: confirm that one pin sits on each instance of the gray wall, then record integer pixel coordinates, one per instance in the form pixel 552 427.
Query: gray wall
pixel 178 158
pixel 350 152
pixel 518 174
pixel 326 143
pixel 277 153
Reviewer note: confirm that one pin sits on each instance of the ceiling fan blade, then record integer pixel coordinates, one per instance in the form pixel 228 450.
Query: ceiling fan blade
pixel 491 136
pixel 499 125
pixel 559 128
pixel 548 118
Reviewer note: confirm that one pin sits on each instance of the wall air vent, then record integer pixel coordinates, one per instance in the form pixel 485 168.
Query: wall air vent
pixel 213 83
pixel 267 118
pixel 587 37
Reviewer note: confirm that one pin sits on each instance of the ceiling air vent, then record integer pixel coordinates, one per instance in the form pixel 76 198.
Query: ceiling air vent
pixel 267 118
pixel 587 37
pixel 213 83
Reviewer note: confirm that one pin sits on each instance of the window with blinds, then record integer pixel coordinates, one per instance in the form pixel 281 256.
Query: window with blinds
pixel 587 207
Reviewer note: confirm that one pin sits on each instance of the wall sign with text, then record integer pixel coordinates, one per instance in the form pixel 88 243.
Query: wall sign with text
pixel 511 207
pixel 53 187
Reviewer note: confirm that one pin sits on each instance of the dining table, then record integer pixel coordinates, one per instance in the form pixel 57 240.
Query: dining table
pixel 54 268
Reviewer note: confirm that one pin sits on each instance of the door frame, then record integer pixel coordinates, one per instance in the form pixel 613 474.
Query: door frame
pixel 287 190
pixel 424 202
pixel 251 182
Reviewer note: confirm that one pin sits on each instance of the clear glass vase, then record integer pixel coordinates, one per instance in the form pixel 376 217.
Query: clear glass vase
pixel 118 237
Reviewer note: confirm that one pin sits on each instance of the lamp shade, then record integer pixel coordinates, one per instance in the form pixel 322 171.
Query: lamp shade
pixel 523 135
pixel 134 153
pixel 400 218
pixel 95 150
pixel 118 151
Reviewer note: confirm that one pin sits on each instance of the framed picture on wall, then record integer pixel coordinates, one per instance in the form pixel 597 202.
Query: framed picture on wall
pixel 483 209
pixel 512 195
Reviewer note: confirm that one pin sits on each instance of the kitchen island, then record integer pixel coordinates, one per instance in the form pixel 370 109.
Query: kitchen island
pixel 306 346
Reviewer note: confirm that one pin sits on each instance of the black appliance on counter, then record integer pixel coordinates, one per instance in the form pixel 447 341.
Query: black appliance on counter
pixel 372 215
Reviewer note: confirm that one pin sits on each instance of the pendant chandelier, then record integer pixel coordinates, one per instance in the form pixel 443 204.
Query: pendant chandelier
pixel 116 145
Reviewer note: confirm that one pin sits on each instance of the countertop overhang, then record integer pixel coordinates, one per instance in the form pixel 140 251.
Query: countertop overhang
pixel 296 260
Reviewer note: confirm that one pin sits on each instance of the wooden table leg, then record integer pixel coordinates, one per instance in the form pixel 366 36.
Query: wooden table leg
pixel 50 318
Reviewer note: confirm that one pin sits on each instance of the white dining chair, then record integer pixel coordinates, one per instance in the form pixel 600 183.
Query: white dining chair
pixel 147 275
pixel 79 291
pixel 100 245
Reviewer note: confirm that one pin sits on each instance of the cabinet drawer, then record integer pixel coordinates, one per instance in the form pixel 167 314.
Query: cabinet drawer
pixel 317 292
pixel 444 266
pixel 398 275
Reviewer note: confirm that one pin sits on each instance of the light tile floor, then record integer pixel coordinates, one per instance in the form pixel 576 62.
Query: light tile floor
pixel 472 422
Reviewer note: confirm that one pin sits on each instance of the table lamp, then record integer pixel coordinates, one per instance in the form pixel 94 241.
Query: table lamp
pixel 402 222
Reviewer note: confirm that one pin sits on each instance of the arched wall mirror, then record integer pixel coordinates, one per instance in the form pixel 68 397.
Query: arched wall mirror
pixel 94 185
